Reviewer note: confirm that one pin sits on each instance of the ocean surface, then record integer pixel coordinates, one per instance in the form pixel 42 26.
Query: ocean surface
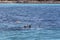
pixel 43 18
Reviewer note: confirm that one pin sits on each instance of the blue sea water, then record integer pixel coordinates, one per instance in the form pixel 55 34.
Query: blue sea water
pixel 43 18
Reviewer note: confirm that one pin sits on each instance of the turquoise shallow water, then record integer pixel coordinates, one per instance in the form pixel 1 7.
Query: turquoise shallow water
pixel 44 19
pixel 33 34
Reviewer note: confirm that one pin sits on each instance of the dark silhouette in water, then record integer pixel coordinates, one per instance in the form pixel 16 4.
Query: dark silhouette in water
pixel 21 28
pixel 25 26
pixel 28 26
pixel 17 28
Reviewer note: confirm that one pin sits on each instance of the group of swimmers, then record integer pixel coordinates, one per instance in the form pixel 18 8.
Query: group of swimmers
pixel 28 26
